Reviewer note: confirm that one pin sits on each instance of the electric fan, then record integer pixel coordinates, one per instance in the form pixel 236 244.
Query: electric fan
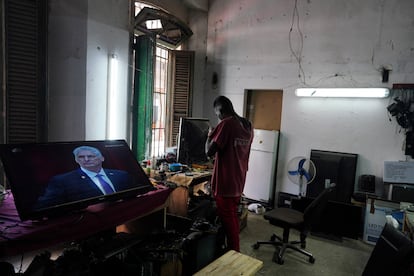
pixel 301 171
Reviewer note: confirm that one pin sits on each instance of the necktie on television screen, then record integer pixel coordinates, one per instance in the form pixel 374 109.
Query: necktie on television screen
pixel 105 185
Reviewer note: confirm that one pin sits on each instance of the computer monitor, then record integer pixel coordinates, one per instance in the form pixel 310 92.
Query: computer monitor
pixel 333 167
pixel 192 137
pixel 46 180
pixel 401 192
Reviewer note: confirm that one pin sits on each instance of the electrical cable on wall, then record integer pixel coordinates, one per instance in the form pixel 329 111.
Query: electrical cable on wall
pixel 297 54
pixel 402 108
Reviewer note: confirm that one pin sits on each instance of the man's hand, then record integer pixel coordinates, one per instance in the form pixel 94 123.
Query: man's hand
pixel 210 131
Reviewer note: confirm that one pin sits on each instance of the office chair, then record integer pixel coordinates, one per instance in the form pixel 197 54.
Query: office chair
pixel 288 218
pixel 393 254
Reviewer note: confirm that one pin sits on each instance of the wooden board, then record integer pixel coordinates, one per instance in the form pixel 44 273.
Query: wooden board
pixel 232 263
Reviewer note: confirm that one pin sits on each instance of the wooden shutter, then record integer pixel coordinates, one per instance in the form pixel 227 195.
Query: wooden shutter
pixel 25 74
pixel 181 96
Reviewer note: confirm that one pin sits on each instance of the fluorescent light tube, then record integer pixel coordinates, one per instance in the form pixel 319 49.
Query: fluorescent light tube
pixel 112 97
pixel 343 92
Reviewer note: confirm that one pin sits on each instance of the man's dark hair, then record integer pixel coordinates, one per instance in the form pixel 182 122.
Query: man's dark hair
pixel 226 107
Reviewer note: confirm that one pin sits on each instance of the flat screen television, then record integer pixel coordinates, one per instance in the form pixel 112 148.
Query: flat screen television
pixel 192 136
pixel 333 167
pixel 46 181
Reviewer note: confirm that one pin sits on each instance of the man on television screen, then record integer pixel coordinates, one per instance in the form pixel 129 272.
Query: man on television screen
pixel 88 181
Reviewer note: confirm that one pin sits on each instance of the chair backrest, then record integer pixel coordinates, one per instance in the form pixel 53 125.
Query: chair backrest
pixel 393 254
pixel 313 212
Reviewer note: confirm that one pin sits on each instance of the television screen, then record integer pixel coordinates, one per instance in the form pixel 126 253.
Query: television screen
pixel 52 179
pixel 191 141
pixel 333 167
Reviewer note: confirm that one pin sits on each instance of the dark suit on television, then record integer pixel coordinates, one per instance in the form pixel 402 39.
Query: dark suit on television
pixel 77 185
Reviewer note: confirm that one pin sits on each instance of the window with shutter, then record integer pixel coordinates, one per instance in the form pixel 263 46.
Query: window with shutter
pixel 182 69
pixel 171 80
pixel 25 25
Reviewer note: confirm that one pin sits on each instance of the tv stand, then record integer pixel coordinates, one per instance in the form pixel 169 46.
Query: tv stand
pixel 19 237
pixel 338 220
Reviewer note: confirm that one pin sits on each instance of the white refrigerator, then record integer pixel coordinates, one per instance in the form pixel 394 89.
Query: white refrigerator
pixel 261 176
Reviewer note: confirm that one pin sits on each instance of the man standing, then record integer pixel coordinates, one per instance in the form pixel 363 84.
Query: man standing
pixel 89 180
pixel 229 142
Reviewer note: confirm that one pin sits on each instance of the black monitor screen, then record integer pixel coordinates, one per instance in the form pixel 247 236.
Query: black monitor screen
pixel 52 179
pixel 191 141
pixel 333 167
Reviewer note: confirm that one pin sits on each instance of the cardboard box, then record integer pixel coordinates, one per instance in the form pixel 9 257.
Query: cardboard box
pixel 375 212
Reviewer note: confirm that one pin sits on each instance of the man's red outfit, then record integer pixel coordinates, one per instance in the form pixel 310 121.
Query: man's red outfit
pixel 233 140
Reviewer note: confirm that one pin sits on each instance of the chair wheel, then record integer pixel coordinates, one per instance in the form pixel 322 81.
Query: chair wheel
pixel 312 260
pixel 273 238
pixel 279 260
pixel 256 246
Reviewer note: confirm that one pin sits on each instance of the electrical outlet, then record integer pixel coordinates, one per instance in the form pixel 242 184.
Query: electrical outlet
pixel 327 183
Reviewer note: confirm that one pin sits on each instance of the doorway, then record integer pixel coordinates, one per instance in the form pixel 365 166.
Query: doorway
pixel 264 108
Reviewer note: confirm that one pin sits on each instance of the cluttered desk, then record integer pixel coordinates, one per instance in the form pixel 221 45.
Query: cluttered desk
pixel 408 224
pixel 187 186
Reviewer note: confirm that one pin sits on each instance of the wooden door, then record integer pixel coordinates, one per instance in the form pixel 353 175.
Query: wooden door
pixel 264 108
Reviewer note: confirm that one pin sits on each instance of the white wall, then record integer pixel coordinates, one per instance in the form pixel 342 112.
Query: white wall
pixel 108 33
pixel 345 44
pixel 67 69
pixel 82 34
pixel 198 44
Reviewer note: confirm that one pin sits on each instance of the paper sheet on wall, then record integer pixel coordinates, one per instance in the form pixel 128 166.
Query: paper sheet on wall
pixel 399 172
